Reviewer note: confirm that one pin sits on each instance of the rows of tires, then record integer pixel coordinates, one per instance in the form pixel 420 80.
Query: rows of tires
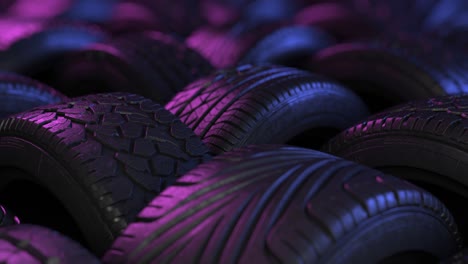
pixel 223 131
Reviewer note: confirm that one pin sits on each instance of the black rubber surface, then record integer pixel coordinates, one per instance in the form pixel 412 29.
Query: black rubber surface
pixel 152 64
pixel 264 104
pixel 30 244
pixel 424 141
pixel 281 204
pixel 394 69
pixel 19 93
pixel 102 156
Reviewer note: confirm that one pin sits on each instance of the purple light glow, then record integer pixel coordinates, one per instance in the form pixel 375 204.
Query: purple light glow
pixel 14 30
pixel 217 14
pixel 219 48
pixel 133 12
pixel 41 9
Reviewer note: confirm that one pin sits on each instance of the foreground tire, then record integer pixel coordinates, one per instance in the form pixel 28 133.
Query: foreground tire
pixel 31 244
pixel 394 70
pixel 102 156
pixel 264 204
pixel 18 94
pixel 265 104
pixel 423 141
pixel 152 64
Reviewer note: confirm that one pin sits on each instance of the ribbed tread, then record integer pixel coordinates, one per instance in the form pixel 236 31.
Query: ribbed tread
pixel 263 104
pixel 267 204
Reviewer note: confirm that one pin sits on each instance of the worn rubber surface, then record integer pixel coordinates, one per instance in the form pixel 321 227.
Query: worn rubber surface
pixel 34 54
pixel 394 70
pixel 152 64
pixel 282 204
pixel 263 104
pixel 19 93
pixel 32 244
pixel 103 156
pixel 423 141
pixel 338 20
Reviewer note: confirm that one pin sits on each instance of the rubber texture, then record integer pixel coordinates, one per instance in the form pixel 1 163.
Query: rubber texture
pixel 423 141
pixel 282 204
pixel 152 64
pixel 33 54
pixel 103 156
pixel 19 93
pixel 263 104
pixel 394 70
pixel 32 244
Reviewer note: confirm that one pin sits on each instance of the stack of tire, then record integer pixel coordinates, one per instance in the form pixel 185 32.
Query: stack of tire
pixel 225 131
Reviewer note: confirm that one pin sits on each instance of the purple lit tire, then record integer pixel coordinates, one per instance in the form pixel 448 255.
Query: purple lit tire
pixel 32 244
pixel 272 43
pixel 282 204
pixel 393 70
pixel 423 141
pixel 152 64
pixel 104 157
pixel 265 104
pixel 33 54
pixel 19 93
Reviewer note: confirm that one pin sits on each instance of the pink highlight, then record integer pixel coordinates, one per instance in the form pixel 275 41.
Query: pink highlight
pixel 39 8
